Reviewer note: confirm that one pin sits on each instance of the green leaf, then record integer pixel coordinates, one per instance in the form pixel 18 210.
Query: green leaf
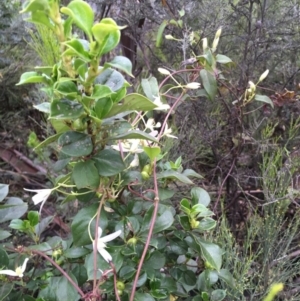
pixel 5 289
pixel 64 290
pixel 226 276
pixel 159 36
pixel 16 209
pixel 108 162
pixel 212 253
pixel 207 224
pixel 143 297
pixel 43 107
pixel 126 272
pixel 163 221
pixel 264 98
pixel 4 260
pixel 4 234
pixel 103 107
pixel 172 174
pixel 107 34
pixel 218 295
pixel 156 261
pixel 48 141
pixel 152 152
pixel 80 223
pixel 185 222
pixel 132 102
pixel 101 91
pixel 36 5
pixel 76 47
pixel 200 196
pixel 3 191
pixel 33 217
pixel 122 63
pixel 18 224
pixel 209 83
pixel 75 144
pixel 185 206
pixel 40 17
pixel 30 77
pixel 189 278
pixel 64 109
pixel 76 252
pixel 150 87
pixel 191 173
pixel 85 175
pixel 223 59
pixel 82 15
pixel 102 265
pixel 110 78
pixel 134 134
pixel 67 88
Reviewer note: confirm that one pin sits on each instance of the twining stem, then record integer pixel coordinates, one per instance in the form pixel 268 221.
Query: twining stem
pixel 115 281
pixel 152 223
pixel 61 270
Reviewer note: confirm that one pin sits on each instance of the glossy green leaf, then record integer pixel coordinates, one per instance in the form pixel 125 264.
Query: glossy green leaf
pixel 133 102
pixel 122 63
pixel 18 224
pixel 103 107
pixel 41 17
pixel 75 144
pixel 135 134
pixel 218 295
pixel 76 252
pixel 67 88
pixel 189 278
pixel 48 141
pixel 30 77
pixel 156 261
pixel 5 289
pixel 191 173
pixel 33 217
pixel 108 162
pixel 82 15
pixel 200 196
pixel 207 224
pixel 209 83
pixel 110 78
pixel 174 175
pixel 3 191
pixel 75 47
pixel 265 99
pixel 223 59
pixel 85 175
pixel 152 152
pixel 101 91
pixel 43 107
pixel 65 109
pixel 211 252
pixel 150 87
pixel 80 223
pixel 126 272
pixel 102 265
pixel 107 34
pixel 16 209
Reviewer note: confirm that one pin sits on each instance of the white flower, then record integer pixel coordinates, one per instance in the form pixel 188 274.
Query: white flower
pixel 135 162
pixel 129 146
pixel 18 272
pixel 160 106
pixel 101 243
pixel 41 196
pixel 151 124
pixel 193 85
pixel 168 131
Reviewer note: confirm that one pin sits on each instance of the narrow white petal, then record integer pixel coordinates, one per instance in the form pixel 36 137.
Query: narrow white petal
pixel 9 273
pixel 24 265
pixel 111 236
pixel 99 232
pixel 105 255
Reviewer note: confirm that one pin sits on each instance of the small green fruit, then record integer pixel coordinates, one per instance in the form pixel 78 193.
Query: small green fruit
pixel 145 175
pixel 132 241
pixel 120 286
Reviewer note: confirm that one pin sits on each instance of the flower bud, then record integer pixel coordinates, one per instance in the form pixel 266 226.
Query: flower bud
pixel 169 37
pixel 163 71
pixel 264 75
pixel 218 33
pixel 204 44
pixel 215 44
pixel 252 86
pixel 193 86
